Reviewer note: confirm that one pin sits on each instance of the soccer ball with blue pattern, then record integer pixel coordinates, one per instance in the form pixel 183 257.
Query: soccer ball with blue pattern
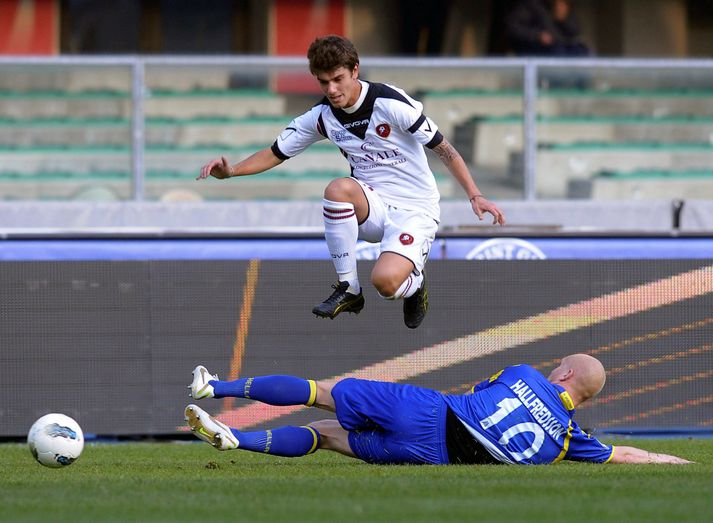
pixel 55 440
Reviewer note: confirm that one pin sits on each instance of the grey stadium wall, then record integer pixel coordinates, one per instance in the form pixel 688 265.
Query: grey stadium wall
pixel 113 343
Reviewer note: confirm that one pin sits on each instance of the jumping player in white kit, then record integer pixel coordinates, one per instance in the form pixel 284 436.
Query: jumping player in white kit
pixel 391 196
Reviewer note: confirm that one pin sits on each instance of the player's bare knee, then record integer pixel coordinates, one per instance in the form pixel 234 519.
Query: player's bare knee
pixel 385 283
pixel 326 431
pixel 332 436
pixel 385 288
pixel 324 399
pixel 340 190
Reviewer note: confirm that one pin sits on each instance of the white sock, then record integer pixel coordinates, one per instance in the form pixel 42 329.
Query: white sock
pixel 341 230
pixel 408 287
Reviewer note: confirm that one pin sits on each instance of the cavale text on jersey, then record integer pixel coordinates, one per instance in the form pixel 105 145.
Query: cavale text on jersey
pixel 374 159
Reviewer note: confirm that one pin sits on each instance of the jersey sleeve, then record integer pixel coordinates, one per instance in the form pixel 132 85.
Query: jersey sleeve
pixel 480 386
pixel 426 132
pixel 302 132
pixel 486 383
pixel 583 447
pixel 409 117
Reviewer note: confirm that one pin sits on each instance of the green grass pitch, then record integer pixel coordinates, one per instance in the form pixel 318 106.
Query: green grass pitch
pixel 193 482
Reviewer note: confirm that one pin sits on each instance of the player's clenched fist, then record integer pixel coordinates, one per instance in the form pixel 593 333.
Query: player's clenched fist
pixel 219 169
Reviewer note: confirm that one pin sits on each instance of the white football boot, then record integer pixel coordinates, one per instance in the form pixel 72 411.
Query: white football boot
pixel 209 429
pixel 200 388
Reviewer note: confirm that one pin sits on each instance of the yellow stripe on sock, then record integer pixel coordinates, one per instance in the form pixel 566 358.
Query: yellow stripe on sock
pixel 312 393
pixel 316 439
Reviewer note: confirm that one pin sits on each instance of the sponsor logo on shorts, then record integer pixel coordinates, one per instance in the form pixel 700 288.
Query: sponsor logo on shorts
pixel 406 238
pixel 383 130
pixel 505 249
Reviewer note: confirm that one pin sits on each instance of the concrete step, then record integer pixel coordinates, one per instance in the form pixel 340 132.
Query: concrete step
pixel 558 166
pixel 488 142
pixel 220 103
pixel 185 132
pixel 157 157
pixel 694 184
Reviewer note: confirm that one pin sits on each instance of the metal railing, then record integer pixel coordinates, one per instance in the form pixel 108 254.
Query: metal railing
pixel 529 69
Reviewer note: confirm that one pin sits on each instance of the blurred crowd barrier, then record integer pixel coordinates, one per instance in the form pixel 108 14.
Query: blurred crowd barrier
pixel 137 129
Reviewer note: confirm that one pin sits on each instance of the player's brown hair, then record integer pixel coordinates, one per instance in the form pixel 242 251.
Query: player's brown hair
pixel 331 52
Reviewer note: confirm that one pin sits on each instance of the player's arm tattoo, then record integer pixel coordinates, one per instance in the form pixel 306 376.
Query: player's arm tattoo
pixel 446 152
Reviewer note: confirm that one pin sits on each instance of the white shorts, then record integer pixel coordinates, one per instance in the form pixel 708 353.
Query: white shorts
pixel 405 232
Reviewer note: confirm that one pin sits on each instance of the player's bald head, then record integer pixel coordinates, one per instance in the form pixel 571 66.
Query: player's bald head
pixel 582 373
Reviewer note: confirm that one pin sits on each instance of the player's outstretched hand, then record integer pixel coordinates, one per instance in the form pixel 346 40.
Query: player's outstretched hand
pixel 219 169
pixel 481 205
pixel 672 460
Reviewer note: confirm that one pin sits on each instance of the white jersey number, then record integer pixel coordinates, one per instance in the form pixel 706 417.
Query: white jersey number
pixel 506 406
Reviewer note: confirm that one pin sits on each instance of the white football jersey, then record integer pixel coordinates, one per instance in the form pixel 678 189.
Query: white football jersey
pixel 382 139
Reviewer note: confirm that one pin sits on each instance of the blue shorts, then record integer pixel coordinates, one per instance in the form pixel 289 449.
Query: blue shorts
pixel 391 422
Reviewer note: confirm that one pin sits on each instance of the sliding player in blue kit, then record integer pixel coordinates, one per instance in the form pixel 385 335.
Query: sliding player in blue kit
pixel 391 196
pixel 516 417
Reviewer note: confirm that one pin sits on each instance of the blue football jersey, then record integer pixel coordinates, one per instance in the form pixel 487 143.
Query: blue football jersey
pixel 522 418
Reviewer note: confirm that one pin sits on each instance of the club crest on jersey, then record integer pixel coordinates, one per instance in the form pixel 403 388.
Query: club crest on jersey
pixel 383 130
pixel 406 238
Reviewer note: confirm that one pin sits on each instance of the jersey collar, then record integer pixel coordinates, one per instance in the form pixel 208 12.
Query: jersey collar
pixel 354 108
pixel 566 400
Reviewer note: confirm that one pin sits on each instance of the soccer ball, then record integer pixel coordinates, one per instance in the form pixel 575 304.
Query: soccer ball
pixel 55 440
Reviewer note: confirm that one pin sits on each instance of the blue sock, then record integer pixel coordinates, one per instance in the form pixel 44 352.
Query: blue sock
pixel 273 390
pixel 288 441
